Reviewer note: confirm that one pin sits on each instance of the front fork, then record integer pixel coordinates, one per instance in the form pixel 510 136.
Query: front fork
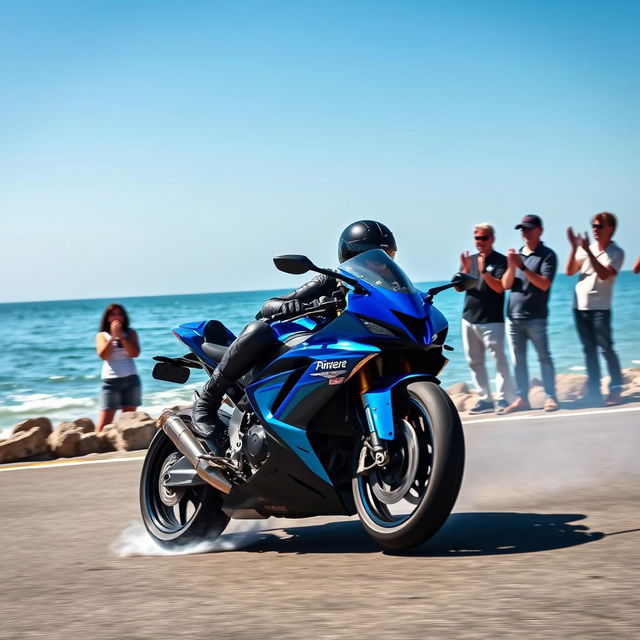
pixel 379 413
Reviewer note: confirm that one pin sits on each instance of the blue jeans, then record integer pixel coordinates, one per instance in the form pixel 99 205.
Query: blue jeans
pixel 594 330
pixel 117 393
pixel 520 332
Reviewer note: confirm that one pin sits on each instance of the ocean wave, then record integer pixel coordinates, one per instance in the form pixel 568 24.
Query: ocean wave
pixel 40 403
pixel 577 367
pixel 71 378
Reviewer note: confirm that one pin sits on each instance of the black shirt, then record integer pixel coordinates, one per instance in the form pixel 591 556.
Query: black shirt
pixel 482 304
pixel 526 301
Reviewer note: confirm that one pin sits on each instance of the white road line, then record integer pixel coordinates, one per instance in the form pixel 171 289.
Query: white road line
pixel 60 463
pixel 549 416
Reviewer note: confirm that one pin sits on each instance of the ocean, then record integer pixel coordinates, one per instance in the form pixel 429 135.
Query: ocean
pixel 49 367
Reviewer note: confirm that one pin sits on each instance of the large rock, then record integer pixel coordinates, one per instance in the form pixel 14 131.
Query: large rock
pixel 86 425
pixel 89 443
pixel 107 439
pixel 458 388
pixel 133 430
pixel 23 444
pixel 43 424
pixel 537 396
pixel 570 386
pixel 464 402
pixel 459 400
pixel 64 440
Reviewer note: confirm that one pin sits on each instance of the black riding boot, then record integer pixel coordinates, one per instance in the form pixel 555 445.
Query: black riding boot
pixel 206 422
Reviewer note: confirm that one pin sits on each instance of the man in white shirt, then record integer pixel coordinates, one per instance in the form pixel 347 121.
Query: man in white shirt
pixel 598 264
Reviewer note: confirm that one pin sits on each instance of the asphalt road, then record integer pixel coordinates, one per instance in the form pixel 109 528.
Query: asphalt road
pixel 544 542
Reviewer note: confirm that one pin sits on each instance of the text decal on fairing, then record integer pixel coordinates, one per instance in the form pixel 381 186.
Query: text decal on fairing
pixel 329 365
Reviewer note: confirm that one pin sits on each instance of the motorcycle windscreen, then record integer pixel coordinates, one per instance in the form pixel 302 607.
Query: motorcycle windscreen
pixel 378 269
pixel 392 298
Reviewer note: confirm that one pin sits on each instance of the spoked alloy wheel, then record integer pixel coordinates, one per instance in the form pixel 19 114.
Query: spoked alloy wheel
pixel 173 516
pixel 407 501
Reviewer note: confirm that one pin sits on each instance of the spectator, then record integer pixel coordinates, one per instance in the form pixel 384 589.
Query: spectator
pixel 598 264
pixel 636 266
pixel 483 321
pixel 117 344
pixel 529 275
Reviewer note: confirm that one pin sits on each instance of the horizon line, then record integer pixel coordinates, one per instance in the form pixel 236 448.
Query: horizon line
pixel 203 293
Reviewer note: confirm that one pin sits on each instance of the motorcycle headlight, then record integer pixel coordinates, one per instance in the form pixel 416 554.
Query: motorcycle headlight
pixel 377 329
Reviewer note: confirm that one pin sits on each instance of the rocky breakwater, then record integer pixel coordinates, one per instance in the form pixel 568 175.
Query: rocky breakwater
pixel 36 439
pixel 570 387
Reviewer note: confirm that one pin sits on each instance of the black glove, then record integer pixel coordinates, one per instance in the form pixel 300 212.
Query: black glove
pixel 291 308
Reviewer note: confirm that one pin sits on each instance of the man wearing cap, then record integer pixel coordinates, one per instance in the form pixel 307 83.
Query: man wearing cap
pixel 529 275
pixel 598 264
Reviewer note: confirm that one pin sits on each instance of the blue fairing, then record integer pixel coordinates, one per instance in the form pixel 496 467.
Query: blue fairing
pixel 287 329
pixel 343 344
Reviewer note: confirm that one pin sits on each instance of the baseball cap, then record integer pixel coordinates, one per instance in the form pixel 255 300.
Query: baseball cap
pixel 529 222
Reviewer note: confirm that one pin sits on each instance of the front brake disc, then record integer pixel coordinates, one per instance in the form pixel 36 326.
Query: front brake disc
pixel 392 484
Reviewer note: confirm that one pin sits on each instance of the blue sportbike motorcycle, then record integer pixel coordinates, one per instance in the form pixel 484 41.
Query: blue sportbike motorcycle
pixel 347 416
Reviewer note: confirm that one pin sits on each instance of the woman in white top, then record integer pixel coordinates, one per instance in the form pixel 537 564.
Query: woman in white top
pixel 117 344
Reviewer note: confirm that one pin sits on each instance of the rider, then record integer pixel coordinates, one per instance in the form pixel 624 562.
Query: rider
pixel 258 339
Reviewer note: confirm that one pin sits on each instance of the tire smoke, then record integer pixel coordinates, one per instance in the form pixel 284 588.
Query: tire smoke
pixel 135 541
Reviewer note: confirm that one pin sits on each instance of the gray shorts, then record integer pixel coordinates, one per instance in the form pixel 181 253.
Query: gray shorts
pixel 121 392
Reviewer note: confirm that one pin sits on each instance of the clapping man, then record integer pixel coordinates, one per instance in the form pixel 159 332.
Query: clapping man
pixel 530 272
pixel 483 321
pixel 598 264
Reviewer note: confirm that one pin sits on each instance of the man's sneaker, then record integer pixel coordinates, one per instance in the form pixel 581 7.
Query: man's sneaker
pixel 550 405
pixel 501 406
pixel 519 404
pixel 482 406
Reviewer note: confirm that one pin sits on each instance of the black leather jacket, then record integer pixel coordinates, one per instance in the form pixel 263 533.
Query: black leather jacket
pixel 311 291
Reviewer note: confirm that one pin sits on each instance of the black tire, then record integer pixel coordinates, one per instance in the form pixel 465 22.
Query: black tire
pixel 197 515
pixel 428 456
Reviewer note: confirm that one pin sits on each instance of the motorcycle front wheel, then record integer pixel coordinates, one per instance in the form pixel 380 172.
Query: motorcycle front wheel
pixel 177 517
pixel 404 503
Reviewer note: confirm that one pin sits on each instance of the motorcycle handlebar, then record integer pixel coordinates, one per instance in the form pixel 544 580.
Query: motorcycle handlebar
pixel 307 309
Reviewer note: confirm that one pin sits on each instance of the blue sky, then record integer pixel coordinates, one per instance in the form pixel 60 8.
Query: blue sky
pixel 163 147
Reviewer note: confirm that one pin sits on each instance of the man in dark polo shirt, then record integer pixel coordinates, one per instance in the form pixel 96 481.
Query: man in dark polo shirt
pixel 483 321
pixel 529 275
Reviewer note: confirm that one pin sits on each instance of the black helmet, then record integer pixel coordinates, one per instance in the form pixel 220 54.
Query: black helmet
pixel 362 236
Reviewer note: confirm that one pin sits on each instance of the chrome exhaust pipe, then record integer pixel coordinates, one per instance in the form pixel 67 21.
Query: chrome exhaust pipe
pixel 192 450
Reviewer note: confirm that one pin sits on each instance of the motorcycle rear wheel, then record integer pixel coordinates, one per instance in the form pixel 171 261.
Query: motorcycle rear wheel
pixel 176 518
pixel 404 504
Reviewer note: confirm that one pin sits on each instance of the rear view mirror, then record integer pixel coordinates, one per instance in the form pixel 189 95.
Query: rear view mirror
pixel 293 263
pixel 463 281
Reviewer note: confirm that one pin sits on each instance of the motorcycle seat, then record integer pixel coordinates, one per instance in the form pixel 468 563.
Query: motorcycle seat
pixel 214 351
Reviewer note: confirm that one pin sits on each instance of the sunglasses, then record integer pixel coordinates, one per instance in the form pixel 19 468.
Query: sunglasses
pixel 481 238
pixel 597 226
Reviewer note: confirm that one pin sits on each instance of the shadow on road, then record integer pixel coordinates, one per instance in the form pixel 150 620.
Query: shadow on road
pixel 464 534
